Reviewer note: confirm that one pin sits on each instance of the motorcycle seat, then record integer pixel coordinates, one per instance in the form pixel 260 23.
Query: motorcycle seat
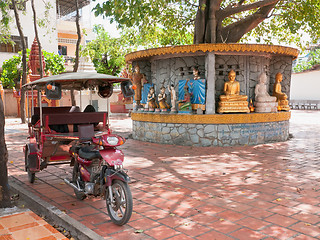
pixel 89 154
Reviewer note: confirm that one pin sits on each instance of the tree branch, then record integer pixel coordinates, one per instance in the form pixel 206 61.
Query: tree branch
pixel 233 32
pixel 223 13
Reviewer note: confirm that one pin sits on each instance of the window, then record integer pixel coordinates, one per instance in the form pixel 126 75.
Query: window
pixel 62 50
pixel 8 47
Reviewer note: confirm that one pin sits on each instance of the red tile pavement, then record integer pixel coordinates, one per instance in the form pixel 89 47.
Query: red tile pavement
pixel 269 191
pixel 27 225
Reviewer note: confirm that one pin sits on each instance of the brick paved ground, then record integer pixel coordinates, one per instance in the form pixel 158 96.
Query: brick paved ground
pixel 27 225
pixel 269 191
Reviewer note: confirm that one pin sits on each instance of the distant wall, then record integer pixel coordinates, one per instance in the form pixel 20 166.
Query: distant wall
pixel 10 104
pixel 305 86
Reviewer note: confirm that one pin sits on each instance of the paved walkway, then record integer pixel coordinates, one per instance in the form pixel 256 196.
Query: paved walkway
pixel 17 225
pixel 269 191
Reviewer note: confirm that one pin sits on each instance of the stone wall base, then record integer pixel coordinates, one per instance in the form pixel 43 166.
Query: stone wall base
pixel 206 135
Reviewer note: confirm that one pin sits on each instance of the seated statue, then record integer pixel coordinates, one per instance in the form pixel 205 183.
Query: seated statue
pixel 162 99
pixel 283 103
pixel 232 101
pixel 152 99
pixel 263 101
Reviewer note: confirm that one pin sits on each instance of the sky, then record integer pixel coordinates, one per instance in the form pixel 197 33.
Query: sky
pixel 110 28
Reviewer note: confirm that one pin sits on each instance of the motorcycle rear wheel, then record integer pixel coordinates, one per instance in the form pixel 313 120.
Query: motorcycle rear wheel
pixel 76 180
pixel 120 208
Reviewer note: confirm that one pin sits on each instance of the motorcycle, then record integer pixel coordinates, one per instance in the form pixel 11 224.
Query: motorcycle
pixel 97 163
pixel 98 171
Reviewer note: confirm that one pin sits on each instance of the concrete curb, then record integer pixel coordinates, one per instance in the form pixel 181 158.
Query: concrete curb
pixel 41 207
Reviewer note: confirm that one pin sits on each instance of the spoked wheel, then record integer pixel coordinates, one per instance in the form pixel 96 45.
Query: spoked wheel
pixel 77 181
pixel 120 207
pixel 31 175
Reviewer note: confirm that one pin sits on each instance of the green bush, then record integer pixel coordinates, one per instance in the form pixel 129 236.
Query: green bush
pixel 12 69
pixel 313 59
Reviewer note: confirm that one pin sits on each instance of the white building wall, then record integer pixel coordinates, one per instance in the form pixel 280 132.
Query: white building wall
pixel 47 35
pixel 305 86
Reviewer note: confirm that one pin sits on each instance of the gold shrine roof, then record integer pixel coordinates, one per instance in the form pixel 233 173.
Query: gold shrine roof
pixel 214 47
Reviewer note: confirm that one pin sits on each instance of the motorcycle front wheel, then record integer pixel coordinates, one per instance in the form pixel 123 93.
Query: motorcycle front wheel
pixel 120 207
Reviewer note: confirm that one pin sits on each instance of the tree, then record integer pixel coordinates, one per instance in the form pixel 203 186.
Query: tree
pixel 219 21
pixel 11 68
pixel 310 62
pixel 76 61
pixel 4 187
pixel 107 53
pixel 24 61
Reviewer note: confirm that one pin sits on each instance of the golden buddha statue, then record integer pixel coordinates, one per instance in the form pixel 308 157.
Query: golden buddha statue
pixel 232 101
pixel 283 103
pixel 162 99
pixel 152 100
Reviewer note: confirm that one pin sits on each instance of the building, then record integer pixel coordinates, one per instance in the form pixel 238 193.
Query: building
pixel 48 35
pixel 59 35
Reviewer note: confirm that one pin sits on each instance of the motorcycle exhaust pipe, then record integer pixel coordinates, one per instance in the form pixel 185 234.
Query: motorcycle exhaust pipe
pixel 67 181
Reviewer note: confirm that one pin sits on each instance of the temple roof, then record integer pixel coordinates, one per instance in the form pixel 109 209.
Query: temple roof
pixel 64 7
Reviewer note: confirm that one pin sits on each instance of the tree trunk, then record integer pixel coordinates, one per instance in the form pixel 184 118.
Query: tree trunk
pixel 76 61
pixel 24 62
pixel 206 21
pixel 37 37
pixel 4 187
pixel 209 18
pixel 200 22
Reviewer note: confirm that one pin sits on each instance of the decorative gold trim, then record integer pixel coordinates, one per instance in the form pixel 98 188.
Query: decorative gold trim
pixel 214 47
pixel 212 118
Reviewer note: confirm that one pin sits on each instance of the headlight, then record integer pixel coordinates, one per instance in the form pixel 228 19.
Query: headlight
pixel 118 167
pixel 112 141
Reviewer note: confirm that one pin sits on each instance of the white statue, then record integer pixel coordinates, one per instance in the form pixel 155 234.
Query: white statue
pixel 263 101
pixel 173 97
pixel 261 92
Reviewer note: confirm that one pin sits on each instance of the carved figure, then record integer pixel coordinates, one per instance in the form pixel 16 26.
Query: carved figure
pixel 173 97
pixel 162 99
pixel 263 101
pixel 185 104
pixel 232 101
pixel 196 73
pixel 138 79
pixel 152 99
pixel 283 103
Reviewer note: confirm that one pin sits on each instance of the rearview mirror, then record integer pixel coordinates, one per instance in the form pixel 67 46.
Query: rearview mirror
pixel 53 91
pixel 126 88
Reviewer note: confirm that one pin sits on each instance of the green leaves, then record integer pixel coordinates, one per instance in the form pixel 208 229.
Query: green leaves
pixel 151 23
pixel 171 22
pixel 54 63
pixel 106 53
pixel 10 73
pixel 11 68
pixel 313 59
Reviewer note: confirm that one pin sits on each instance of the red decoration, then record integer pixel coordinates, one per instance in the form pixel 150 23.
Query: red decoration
pixel 34 63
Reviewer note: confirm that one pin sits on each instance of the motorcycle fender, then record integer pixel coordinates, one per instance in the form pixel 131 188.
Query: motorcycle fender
pixel 113 175
pixel 32 161
pixel 112 156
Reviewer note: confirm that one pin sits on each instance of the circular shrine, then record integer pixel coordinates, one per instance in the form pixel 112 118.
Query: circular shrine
pixel 212 119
